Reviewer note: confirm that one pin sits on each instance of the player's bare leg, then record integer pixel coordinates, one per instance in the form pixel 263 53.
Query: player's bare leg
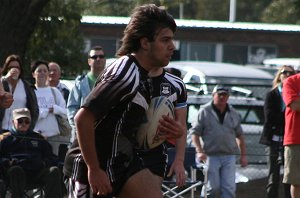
pixel 143 184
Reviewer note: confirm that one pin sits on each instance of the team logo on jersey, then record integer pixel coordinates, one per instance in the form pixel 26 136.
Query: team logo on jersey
pixel 34 143
pixel 165 89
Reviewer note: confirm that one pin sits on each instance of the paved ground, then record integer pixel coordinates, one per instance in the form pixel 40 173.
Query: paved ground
pixel 254 189
pixel 251 189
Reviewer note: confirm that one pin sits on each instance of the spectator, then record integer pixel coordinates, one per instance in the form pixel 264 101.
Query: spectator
pixel 109 119
pixel 51 103
pixel 23 92
pixel 273 131
pixel 291 140
pixel 54 80
pixel 219 127
pixel 27 159
pixel 84 84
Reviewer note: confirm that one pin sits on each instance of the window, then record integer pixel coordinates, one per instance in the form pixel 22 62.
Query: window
pixel 198 51
pixel 235 54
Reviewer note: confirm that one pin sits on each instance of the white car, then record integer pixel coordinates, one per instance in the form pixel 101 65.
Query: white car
pixel 278 62
pixel 200 77
pixel 68 83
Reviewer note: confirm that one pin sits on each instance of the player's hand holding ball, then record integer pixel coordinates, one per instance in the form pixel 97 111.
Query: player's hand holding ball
pixel 160 124
pixel 171 128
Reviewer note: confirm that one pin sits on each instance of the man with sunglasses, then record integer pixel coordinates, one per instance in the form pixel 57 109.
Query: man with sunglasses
pixel 84 84
pixel 219 127
pixel 27 158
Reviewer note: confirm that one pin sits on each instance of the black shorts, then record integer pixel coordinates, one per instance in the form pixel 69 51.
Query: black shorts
pixel 155 160
pixel 120 169
pixel 123 170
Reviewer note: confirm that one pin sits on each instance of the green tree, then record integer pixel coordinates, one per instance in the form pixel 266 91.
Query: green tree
pixel 109 7
pixel 18 21
pixel 213 10
pixel 251 11
pixel 282 11
pixel 58 38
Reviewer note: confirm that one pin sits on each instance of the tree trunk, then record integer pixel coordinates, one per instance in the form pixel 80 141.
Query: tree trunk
pixel 18 19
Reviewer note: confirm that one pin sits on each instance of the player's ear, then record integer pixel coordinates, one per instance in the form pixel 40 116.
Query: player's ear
pixel 144 43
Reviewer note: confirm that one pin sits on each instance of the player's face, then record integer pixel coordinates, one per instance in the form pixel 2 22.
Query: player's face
pixel 162 47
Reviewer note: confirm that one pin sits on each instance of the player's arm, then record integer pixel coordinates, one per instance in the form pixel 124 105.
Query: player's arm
pixel 178 164
pixel 98 179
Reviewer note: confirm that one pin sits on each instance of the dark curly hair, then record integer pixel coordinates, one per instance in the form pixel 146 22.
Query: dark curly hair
pixel 145 21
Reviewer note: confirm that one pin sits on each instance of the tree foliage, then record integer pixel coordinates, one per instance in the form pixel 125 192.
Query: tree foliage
pixel 18 21
pixel 251 11
pixel 107 7
pixel 58 38
pixel 281 11
pixel 49 29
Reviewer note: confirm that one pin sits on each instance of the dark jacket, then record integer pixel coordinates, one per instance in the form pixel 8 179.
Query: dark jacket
pixel 274 117
pixel 31 101
pixel 29 150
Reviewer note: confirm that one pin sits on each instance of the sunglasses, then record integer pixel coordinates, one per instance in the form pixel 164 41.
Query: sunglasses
pixel 222 94
pixel 287 72
pixel 97 56
pixel 23 120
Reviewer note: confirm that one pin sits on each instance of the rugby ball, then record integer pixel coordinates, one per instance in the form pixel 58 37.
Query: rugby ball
pixel 148 135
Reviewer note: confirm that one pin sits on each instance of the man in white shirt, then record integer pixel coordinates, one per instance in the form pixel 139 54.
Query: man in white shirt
pixel 54 80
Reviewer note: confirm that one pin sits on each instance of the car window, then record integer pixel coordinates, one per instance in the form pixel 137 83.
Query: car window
pixel 251 114
pixel 195 79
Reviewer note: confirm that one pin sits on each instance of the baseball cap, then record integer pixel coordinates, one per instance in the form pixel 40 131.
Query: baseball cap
pixel 21 113
pixel 221 89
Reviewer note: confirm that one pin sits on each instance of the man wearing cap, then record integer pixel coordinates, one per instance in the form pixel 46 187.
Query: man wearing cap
pixel 27 158
pixel 219 127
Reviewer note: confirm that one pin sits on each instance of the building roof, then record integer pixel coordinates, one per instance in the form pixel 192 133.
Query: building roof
pixel 111 20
